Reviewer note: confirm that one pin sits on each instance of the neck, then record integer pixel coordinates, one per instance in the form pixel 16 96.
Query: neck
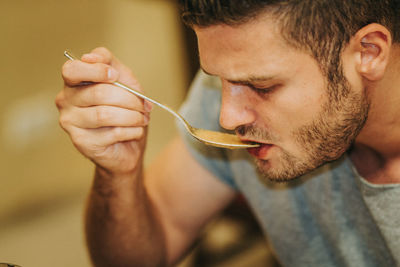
pixel 376 153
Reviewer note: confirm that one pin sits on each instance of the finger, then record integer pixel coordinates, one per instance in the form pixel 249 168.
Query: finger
pixel 102 116
pixel 105 54
pixel 104 94
pixel 75 72
pixel 93 58
pixel 60 100
pixel 98 55
pixel 93 139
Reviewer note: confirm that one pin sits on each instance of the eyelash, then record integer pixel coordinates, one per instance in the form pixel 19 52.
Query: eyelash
pixel 262 91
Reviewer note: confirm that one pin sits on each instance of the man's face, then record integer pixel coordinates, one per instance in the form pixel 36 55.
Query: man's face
pixel 276 95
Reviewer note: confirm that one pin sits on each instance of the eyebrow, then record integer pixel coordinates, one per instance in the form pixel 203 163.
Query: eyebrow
pixel 247 80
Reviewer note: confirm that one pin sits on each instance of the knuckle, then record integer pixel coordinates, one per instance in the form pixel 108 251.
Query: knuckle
pixel 60 99
pixel 135 119
pixel 140 132
pixel 102 116
pixel 118 133
pixel 64 121
pixel 142 119
pixel 77 139
pixel 97 94
pixel 67 69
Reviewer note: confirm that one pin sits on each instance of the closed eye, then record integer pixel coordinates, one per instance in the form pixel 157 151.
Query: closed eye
pixel 263 90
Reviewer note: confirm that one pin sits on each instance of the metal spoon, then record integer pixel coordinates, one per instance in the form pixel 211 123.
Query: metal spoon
pixel 208 137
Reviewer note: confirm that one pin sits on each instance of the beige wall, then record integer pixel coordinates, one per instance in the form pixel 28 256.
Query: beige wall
pixel 40 169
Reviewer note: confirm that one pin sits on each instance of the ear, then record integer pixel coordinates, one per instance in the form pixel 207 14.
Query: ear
pixel 372 45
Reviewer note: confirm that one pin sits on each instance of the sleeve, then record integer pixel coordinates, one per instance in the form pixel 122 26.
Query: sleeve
pixel 201 109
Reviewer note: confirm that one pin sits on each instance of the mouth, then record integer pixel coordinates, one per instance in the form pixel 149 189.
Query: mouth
pixel 260 152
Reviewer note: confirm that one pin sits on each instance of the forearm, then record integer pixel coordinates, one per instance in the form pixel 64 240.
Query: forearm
pixel 122 227
pixel 109 127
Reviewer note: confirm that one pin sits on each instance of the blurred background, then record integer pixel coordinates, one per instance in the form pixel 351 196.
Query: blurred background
pixel 43 179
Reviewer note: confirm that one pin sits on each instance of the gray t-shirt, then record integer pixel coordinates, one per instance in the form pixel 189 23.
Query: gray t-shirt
pixel 330 217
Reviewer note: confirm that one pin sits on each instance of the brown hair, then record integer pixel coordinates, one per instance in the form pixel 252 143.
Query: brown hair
pixel 320 27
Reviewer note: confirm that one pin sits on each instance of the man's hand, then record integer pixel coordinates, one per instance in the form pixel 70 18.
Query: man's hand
pixel 106 124
pixel 133 217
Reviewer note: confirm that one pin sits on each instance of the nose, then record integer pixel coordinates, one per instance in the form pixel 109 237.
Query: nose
pixel 236 108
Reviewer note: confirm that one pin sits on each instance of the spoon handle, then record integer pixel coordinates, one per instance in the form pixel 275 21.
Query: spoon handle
pixel 135 92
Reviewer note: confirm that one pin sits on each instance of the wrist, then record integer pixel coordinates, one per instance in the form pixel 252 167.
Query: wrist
pixel 109 183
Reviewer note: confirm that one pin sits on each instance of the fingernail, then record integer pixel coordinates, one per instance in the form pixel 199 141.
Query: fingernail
pixel 148 106
pixel 112 74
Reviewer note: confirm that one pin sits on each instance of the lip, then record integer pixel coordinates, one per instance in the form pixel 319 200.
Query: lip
pixel 260 152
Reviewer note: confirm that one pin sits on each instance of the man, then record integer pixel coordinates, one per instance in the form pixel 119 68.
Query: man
pixel 315 83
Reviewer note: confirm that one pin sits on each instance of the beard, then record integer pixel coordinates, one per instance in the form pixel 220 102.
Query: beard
pixel 325 139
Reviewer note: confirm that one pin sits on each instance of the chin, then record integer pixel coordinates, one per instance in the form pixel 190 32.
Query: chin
pixel 281 172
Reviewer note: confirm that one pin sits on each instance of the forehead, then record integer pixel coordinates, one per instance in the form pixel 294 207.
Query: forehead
pixel 252 48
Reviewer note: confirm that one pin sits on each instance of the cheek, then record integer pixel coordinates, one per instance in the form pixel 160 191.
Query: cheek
pixel 293 107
